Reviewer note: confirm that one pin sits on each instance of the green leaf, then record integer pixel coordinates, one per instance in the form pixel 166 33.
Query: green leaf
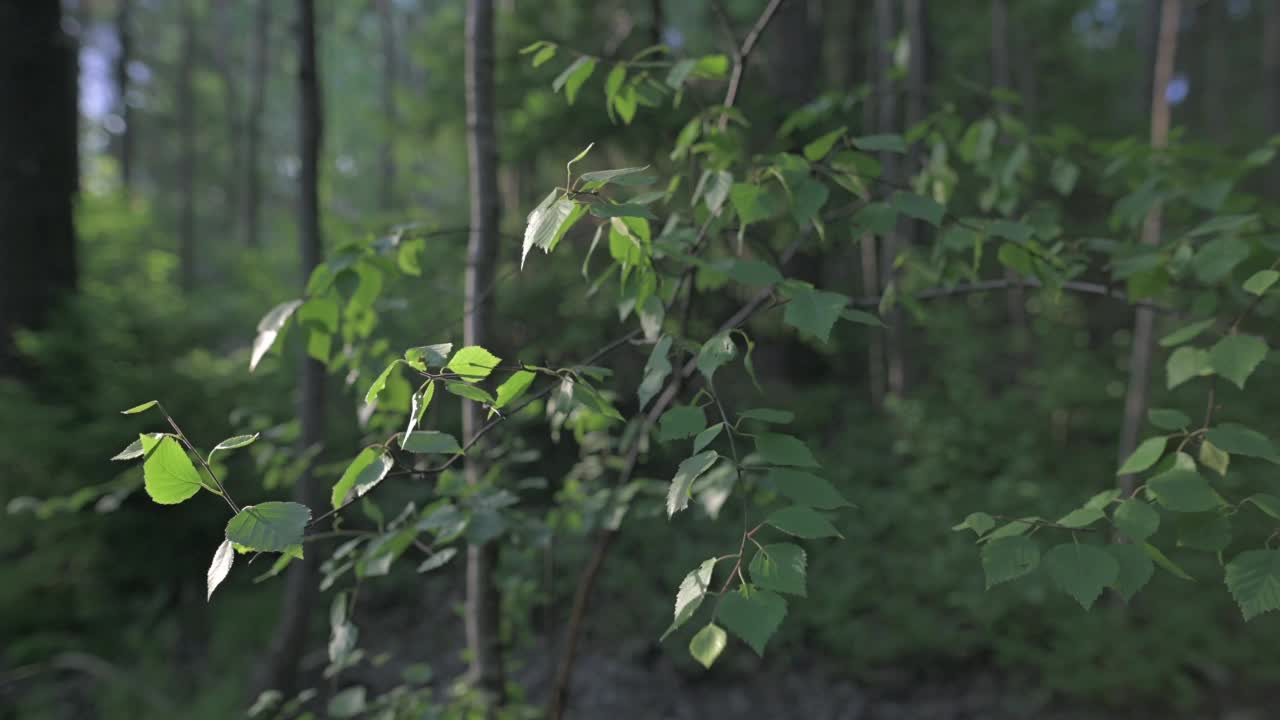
pixel 779 449
pixel 806 489
pixel 918 207
pixel 754 273
pixel 1101 500
pixel 1218 257
pixel 752 202
pixel 321 312
pixel 1063 176
pixel 1183 491
pixel 380 382
pixel 881 143
pixel 168 474
pixel 1136 519
pixel 1009 558
pixel 861 317
pixel 656 370
pixel 707 644
pixel 140 408
pixel 819 148
pixel 754 618
pixel 717 190
pixel 706 437
pixel 1163 561
pixel 691 469
pixel 1253 577
pixel 1212 457
pixel 780 567
pixel 437 560
pixel 803 522
pixel 514 387
pixel 681 421
pixel 269 526
pixel 1208 531
pixel 1240 440
pixel 420 402
pixel 428 356
pixel 431 442
pixel 1081 517
pixel 348 703
pixel 876 218
pixel 1186 334
pixel 979 522
pixel 1135 569
pixel 574 77
pixel 470 392
pixel 768 415
pixel 1081 571
pixel 131 451
pixel 544 222
pixel 813 312
pixel 473 363
pixel 716 352
pixel 1167 419
pixel 1267 503
pixel 1236 356
pixel 1144 456
pixel 219 568
pixel 612 210
pixel 1261 281
pixel 543 55
pixel 234 442
pixel 630 176
pixel 361 476
pixel 1186 363
pixel 693 590
pixel 269 329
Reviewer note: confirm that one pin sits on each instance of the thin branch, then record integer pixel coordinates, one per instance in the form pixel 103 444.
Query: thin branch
pixel 183 438
pixel 743 54
pixel 1083 288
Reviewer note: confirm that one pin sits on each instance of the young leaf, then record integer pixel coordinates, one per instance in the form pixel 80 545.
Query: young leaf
pixel 706 437
pixel 428 356
pixel 1163 561
pixel 630 176
pixel 691 469
pixel 806 489
pixel 1183 491
pixel 1136 519
pixel 707 644
pixel 473 363
pixel 421 401
pixel 470 392
pixel 693 589
pixel 656 370
pixel 1186 334
pixel 1144 456
pixel 716 352
pixel 1135 569
pixel 1166 419
pixel 1253 577
pixel 168 474
pixel 1081 571
pixel 219 568
pixel 779 449
pixel 1261 281
pixel 1009 558
pixel 681 421
pixel 881 143
pixel 380 382
pixel 1236 356
pixel 813 312
pixel 437 560
pixel 780 567
pixel 979 522
pixel 234 442
pixel 574 76
pixel 803 522
pixel 1212 457
pixel 513 388
pixel 269 329
pixel 270 526
pixel 544 222
pixel 1186 363
pixel 362 475
pixel 430 442
pixel 754 618
pixel 139 408
pixel 1081 517
pixel 819 148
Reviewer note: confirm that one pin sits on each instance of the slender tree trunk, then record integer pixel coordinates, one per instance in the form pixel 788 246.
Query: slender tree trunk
pixel 887 104
pixel 876 370
pixel 252 204
pixel 1002 77
pixel 1135 403
pixel 38 169
pixel 1271 82
pixel 187 158
pixel 657 21
pixel 289 641
pixel 225 66
pixel 390 116
pixel 124 141
pixel 482 611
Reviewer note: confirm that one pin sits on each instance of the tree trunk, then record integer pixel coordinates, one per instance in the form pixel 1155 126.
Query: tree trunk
pixel 887 105
pixel 482 609
pixel 281 671
pixel 1214 98
pixel 38 169
pixel 1002 77
pixel 1135 403
pixel 387 188
pixel 657 22
pixel 252 204
pixel 124 140
pixel 225 66
pixel 876 371
pixel 1148 28
pixel 187 153
pixel 1271 81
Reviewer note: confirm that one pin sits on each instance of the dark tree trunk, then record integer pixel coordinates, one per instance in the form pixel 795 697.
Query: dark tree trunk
pixel 390 116
pixel 124 141
pixel 1002 77
pixel 1271 82
pixel 657 21
pixel 252 204
pixel 281 671
pixel 869 252
pixel 1215 103
pixel 887 105
pixel 38 169
pixel 187 154
pixel 482 609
